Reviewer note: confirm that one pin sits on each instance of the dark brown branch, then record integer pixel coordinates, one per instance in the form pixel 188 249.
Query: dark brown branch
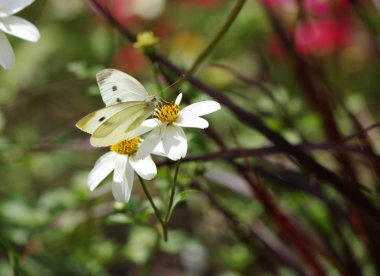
pixel 264 151
pixel 250 119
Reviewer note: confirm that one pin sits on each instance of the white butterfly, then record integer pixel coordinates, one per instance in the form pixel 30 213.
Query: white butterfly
pixel 128 104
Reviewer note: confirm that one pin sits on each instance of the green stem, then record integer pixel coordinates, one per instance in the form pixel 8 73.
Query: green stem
pixel 156 212
pixel 223 30
pixel 174 184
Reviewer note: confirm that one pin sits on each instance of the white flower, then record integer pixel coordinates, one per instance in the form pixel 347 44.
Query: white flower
pixel 16 26
pixel 167 137
pixel 123 161
pixel 148 9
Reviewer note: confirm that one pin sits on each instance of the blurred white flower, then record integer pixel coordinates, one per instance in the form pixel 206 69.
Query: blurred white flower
pixel 148 9
pixel 15 26
pixel 167 137
pixel 123 161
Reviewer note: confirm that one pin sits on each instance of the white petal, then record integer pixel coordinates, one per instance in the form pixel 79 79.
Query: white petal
pixel 196 122
pixel 159 150
pixel 200 108
pixel 9 7
pixel 144 167
pixel 118 191
pixel 178 99
pixel 151 141
pixel 7 56
pixel 103 167
pixel 174 142
pixel 120 167
pixel 122 190
pixel 19 27
pixel 145 127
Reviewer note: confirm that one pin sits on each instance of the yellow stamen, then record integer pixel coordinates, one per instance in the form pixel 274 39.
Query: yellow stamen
pixel 127 147
pixel 167 113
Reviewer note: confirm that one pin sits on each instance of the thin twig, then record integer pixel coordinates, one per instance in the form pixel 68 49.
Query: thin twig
pixel 218 36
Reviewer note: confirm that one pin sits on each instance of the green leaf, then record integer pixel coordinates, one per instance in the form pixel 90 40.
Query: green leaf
pixel 179 198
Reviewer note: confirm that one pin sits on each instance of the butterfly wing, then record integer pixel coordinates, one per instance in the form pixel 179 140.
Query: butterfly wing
pixel 122 125
pixel 92 121
pixel 128 104
pixel 116 86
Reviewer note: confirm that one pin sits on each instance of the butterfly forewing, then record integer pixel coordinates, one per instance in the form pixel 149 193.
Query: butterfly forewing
pixel 116 86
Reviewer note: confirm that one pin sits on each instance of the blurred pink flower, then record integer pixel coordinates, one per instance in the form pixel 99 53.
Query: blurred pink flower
pixel 324 28
pixel 312 7
pixel 120 9
pixel 130 60
pixel 322 36
pixel 325 7
pixel 280 4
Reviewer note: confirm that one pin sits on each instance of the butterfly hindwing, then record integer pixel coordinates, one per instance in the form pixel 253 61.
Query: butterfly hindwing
pixel 125 117
pixel 121 126
pixel 93 120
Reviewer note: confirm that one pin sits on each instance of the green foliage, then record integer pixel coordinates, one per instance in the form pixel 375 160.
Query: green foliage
pixel 234 211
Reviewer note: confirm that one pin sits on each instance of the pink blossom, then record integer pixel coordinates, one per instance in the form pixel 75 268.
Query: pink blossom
pixel 325 8
pixel 130 60
pixel 280 4
pixel 322 36
pixel 325 26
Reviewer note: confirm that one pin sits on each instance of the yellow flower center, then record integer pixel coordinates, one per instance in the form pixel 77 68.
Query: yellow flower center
pixel 127 147
pixel 167 112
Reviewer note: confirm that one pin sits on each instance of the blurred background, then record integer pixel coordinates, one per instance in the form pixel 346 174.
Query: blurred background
pixel 307 69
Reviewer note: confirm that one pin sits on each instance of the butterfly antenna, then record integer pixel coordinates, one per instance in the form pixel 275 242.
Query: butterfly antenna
pixel 174 83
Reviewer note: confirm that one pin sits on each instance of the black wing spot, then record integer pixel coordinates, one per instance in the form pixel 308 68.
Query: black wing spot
pixel 102 119
pixel 118 100
pixel 114 88
pixel 103 75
